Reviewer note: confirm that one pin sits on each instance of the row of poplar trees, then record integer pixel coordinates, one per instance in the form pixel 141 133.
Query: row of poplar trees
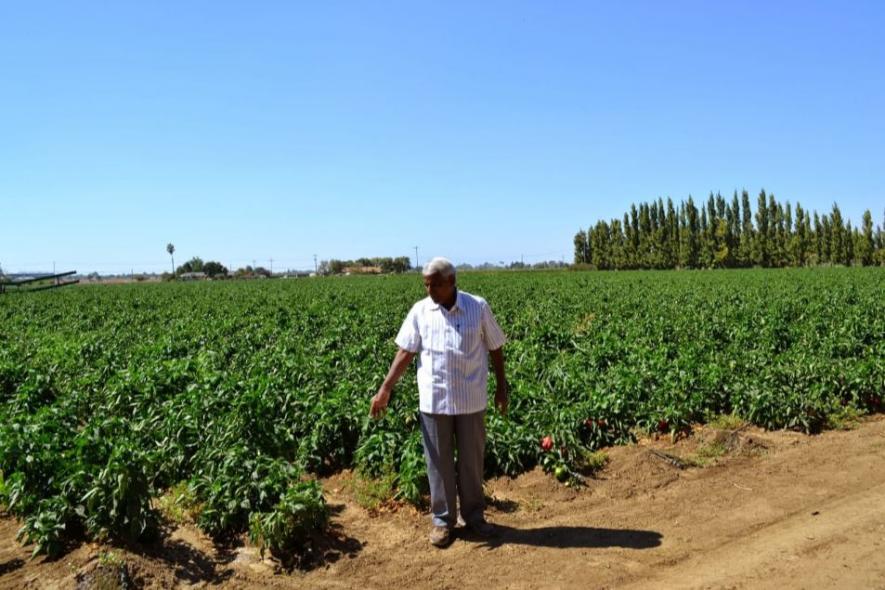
pixel 726 234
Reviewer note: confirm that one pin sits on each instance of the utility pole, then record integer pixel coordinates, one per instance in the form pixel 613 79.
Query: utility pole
pixel 271 267
pixel 417 265
pixel 316 269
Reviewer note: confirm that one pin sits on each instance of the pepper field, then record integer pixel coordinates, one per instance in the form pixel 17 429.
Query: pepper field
pixel 238 394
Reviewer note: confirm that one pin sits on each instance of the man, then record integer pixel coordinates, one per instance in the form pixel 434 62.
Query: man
pixel 453 333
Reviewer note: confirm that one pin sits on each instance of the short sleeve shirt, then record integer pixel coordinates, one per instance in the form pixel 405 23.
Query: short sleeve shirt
pixel 452 347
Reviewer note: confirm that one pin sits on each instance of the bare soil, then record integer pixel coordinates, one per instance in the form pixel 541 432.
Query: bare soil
pixel 776 510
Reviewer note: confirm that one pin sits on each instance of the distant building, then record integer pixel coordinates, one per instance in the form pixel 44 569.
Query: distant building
pixel 362 270
pixel 193 276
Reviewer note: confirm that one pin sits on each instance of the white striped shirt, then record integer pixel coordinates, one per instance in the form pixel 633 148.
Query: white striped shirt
pixel 453 345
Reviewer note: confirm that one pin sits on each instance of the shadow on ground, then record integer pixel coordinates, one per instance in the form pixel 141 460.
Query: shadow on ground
pixel 566 537
pixel 325 548
pixel 502 504
pixel 188 563
pixel 194 566
pixel 11 566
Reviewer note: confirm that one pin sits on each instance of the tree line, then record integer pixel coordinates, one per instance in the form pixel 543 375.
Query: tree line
pixel 723 234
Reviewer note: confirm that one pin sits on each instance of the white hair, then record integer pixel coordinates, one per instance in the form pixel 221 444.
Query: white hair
pixel 440 265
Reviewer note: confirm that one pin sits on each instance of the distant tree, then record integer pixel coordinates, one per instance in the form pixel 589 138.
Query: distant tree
pixel 879 256
pixel 580 242
pixel 629 249
pixel 866 246
pixel 195 264
pixel 654 241
pixel 591 242
pixel 402 264
pixel 838 241
pixel 714 237
pixel 635 237
pixel 773 219
pixel 392 265
pixel 170 247
pixel 645 238
pixel 661 235
pixel 720 206
pixel 826 239
pixel 732 230
pixel 721 253
pixel 691 213
pixel 761 247
pixel 809 249
pixel 784 231
pixel 705 246
pixel 672 235
pixel 818 239
pixel 618 252
pixel 711 211
pixel 683 237
pixel 799 241
pixel 747 234
pixel 214 269
pixel 600 248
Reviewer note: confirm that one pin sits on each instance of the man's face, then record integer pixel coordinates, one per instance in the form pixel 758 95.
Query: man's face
pixel 439 288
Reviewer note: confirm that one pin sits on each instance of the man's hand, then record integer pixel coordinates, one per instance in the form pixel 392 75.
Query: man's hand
pixel 502 390
pixel 379 402
pixel 397 368
pixel 502 397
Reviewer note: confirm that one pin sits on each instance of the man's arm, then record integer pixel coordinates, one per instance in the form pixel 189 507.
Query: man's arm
pixel 502 394
pixel 399 365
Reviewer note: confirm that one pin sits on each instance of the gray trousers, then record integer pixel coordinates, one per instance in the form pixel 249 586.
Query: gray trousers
pixel 469 434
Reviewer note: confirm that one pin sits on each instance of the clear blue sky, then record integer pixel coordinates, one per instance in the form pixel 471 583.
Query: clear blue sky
pixel 483 131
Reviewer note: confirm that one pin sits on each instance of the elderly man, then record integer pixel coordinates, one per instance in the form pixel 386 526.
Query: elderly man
pixel 453 333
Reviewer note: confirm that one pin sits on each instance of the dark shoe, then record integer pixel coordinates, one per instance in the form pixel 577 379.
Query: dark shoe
pixel 440 536
pixel 482 529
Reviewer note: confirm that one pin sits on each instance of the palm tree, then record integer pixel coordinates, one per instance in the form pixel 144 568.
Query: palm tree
pixel 170 247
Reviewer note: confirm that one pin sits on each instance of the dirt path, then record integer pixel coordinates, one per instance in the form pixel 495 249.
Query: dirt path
pixel 831 546
pixel 779 509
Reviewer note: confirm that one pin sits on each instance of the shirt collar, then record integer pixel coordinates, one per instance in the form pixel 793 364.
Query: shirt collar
pixel 458 302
